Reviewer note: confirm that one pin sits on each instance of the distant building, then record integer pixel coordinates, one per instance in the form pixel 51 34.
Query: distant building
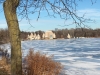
pixel 31 36
pixel 49 35
pixel 54 35
pixel 37 37
pixel 34 35
pixel 68 36
pixel 46 35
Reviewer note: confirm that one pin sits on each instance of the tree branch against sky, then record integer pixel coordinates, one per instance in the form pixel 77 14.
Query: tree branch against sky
pixel 64 9
pixel 83 7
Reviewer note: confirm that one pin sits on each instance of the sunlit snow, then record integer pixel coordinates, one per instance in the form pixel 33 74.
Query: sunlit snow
pixel 79 56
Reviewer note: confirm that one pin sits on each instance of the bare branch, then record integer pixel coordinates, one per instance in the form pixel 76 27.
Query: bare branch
pixel 66 9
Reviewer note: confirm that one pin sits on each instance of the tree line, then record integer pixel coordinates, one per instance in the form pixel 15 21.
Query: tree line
pixel 4 36
pixel 60 33
pixel 77 32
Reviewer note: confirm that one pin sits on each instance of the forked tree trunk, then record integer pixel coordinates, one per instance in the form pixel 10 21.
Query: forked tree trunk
pixel 14 32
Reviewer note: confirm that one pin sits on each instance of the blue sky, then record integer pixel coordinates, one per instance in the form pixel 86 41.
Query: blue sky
pixel 49 23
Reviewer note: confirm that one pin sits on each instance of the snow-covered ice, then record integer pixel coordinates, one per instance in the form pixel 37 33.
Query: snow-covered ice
pixel 79 56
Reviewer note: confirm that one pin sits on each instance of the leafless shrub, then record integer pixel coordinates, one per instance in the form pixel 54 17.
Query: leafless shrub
pixel 5 68
pixel 40 64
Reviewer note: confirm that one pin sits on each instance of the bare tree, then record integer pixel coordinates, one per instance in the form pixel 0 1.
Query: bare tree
pixel 66 9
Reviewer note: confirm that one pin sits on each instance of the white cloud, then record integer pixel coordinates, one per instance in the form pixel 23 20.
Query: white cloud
pixel 90 13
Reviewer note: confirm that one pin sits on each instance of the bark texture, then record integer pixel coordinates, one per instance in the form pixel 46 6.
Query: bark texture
pixel 10 7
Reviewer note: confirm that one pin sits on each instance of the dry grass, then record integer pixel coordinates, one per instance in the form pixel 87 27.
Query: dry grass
pixel 4 67
pixel 40 64
pixel 35 64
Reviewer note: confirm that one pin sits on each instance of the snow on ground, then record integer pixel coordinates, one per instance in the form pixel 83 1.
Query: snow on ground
pixel 79 56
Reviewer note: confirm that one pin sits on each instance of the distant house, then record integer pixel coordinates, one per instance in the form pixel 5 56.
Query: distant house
pixel 54 35
pixel 37 37
pixel 49 35
pixel 46 35
pixel 34 35
pixel 31 36
pixel 68 36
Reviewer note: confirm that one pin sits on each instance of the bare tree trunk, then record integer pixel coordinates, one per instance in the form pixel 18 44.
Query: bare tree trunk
pixel 14 32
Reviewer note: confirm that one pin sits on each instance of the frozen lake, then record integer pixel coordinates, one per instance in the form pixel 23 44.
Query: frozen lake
pixel 79 56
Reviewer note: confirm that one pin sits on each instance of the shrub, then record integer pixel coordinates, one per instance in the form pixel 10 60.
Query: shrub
pixel 39 64
pixel 4 67
pixel 4 63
